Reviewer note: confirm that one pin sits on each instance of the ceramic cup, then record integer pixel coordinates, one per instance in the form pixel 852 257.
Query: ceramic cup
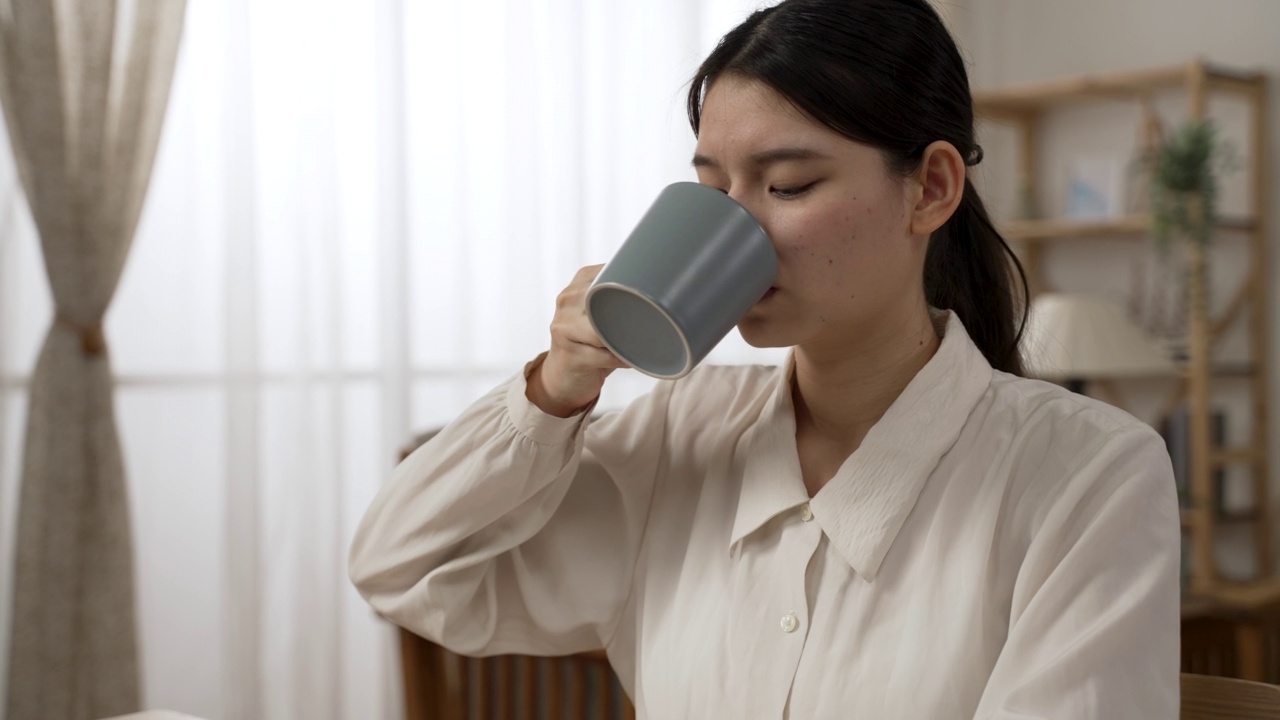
pixel 693 266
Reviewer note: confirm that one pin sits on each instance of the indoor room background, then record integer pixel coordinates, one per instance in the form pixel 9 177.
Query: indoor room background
pixel 358 221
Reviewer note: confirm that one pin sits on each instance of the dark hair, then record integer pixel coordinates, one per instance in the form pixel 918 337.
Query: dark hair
pixel 887 73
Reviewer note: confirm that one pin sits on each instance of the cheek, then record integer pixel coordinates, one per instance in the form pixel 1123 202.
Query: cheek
pixel 844 251
pixel 830 236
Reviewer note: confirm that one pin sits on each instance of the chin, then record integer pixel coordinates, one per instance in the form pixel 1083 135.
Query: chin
pixel 761 334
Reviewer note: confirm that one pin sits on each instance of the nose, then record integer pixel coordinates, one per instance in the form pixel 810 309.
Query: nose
pixel 748 203
pixel 742 199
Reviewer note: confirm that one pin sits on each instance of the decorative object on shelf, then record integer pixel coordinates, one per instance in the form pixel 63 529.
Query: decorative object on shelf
pixel 1183 171
pixel 1095 188
pixel 1077 338
pixel 1158 298
pixel 1176 431
pixel 1184 184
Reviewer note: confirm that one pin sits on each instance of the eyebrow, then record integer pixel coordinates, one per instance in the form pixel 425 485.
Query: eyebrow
pixel 766 158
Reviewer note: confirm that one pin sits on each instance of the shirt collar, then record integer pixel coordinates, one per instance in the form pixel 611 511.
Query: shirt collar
pixel 862 508
pixel 771 480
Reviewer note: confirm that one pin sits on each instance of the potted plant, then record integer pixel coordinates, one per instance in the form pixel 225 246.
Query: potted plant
pixel 1182 172
pixel 1184 188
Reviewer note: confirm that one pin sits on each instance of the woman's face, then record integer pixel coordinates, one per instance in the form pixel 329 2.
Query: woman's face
pixel 848 265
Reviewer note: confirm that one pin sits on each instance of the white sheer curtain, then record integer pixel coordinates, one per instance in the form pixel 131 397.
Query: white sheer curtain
pixel 359 219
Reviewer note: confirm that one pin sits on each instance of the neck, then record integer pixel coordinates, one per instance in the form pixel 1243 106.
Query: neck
pixel 841 389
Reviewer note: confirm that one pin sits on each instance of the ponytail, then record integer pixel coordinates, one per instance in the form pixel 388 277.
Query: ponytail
pixel 970 270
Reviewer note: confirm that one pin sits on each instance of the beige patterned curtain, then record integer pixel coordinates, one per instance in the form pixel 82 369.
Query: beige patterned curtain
pixel 84 85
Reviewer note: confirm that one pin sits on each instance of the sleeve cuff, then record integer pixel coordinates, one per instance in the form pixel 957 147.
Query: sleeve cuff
pixel 531 421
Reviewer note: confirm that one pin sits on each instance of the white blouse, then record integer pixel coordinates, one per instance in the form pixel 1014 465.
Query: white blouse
pixel 996 548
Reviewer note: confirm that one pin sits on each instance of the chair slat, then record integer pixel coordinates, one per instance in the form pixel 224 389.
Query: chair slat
pixel 555 704
pixel 604 698
pixel 504 687
pixel 448 699
pixel 528 688
pixel 577 691
pixel 481 686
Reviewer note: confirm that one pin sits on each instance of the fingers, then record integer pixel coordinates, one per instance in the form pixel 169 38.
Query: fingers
pixel 573 297
pixel 586 275
pixel 576 336
pixel 601 358
pixel 578 363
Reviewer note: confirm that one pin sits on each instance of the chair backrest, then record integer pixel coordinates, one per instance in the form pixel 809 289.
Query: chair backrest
pixel 440 685
pixel 1205 697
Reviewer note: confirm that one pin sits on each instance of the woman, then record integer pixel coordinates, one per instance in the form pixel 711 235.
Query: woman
pixel 892 525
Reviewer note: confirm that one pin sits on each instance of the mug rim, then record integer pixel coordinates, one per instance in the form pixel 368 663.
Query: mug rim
pixel 684 341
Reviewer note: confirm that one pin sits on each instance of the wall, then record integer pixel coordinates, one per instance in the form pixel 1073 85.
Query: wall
pixel 1010 41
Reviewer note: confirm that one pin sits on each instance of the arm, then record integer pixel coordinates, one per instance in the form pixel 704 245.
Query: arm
pixel 1094 627
pixel 514 530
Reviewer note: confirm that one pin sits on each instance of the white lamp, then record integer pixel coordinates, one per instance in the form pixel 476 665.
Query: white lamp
pixel 1074 338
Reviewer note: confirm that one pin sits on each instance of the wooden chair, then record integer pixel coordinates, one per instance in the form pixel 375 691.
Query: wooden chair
pixel 439 685
pixel 1205 697
pixel 1235 633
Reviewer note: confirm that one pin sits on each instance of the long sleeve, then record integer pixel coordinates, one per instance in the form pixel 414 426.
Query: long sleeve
pixel 513 531
pixel 1094 625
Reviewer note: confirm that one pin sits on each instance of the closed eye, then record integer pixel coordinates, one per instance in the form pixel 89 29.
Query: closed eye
pixel 791 193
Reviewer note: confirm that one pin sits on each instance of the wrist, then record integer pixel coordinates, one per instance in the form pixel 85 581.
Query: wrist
pixel 536 392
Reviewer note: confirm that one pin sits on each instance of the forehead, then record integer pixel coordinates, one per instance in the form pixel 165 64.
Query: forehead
pixel 741 115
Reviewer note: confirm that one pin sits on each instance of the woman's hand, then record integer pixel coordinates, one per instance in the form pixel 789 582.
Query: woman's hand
pixel 575 368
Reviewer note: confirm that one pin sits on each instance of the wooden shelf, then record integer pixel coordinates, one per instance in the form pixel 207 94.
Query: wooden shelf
pixel 1247 595
pixel 1234 456
pixel 1017 100
pixel 1226 370
pixel 1132 226
pixel 1190 522
pixel 1024 107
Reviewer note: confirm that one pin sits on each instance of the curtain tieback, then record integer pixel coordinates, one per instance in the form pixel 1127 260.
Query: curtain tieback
pixel 92 339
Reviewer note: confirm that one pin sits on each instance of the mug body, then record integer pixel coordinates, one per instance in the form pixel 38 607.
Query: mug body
pixel 692 267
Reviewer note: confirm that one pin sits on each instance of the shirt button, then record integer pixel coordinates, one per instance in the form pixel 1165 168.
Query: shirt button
pixel 790 623
pixel 805 513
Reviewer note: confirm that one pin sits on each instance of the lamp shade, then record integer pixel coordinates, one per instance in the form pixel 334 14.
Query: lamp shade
pixel 1076 337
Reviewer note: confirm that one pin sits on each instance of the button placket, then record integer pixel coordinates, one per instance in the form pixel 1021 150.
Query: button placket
pixel 808 539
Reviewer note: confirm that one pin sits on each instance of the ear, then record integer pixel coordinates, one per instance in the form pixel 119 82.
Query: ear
pixel 938 187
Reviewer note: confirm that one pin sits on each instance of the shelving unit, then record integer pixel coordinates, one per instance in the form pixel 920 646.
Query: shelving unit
pixel 1024 107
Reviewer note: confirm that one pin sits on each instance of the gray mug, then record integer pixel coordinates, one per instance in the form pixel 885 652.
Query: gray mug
pixel 693 266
